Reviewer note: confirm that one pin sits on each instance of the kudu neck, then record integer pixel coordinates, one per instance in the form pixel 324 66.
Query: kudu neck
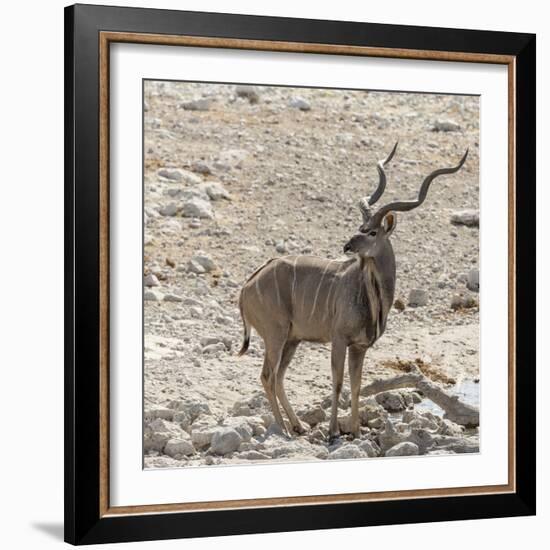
pixel 382 269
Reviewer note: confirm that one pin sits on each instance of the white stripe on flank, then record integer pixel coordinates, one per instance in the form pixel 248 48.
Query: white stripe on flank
pixel 276 284
pixel 294 281
pixel 257 284
pixel 330 290
pixel 319 288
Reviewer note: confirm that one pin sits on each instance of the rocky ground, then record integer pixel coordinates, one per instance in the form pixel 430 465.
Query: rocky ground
pixel 236 175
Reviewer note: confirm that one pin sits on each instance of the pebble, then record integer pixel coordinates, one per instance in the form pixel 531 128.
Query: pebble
pixel 196 312
pixel 300 103
pixel 169 210
pixel 399 304
pixel 248 92
pixel 197 208
pixel 195 267
pixel 205 261
pixel 445 126
pixel 418 297
pixel 172 298
pixel 197 105
pixel 469 218
pixel 172 174
pixel 459 301
pixel 151 280
pixel 152 295
pixel 214 348
pixel 216 191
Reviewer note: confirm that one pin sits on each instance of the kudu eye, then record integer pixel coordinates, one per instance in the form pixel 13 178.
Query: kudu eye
pixel 372 234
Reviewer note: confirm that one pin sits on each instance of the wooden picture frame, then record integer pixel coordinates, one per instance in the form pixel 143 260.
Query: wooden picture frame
pixel 89 32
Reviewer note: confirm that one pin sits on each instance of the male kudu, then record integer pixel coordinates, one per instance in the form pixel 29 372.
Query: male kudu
pixel 304 298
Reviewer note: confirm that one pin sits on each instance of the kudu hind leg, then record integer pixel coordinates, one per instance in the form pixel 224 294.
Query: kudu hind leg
pixel 355 364
pixel 338 359
pixel 272 359
pixel 287 355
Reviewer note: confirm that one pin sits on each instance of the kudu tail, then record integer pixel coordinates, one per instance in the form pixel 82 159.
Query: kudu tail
pixel 247 329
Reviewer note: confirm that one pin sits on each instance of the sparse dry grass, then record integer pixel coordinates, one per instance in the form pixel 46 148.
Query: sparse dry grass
pixel 427 369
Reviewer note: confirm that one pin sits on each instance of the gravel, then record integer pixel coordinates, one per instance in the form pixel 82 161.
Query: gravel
pixel 254 180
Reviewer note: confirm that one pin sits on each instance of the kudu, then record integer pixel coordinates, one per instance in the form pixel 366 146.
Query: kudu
pixel 304 298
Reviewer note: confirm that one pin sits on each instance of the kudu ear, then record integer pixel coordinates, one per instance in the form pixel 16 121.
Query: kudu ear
pixel 389 222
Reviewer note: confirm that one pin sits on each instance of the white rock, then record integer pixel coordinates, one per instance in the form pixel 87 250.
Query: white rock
pixel 192 407
pixel 346 451
pixel 179 447
pixel 241 425
pixel 313 416
pixel 179 176
pixel 169 210
pixel 170 226
pixel 151 280
pixel 406 448
pixel 172 298
pixel 195 267
pixel 172 174
pixel 300 103
pixel 214 348
pixel 469 218
pixel 281 248
pixel 158 432
pixel 202 433
pixel 202 104
pixel 204 260
pixel 152 295
pixel 418 297
pixel 197 208
pixel 195 192
pixel 225 440
pixel 215 190
pixel 445 126
pixel 369 448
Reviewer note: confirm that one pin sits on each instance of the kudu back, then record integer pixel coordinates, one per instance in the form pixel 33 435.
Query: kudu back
pixel 304 298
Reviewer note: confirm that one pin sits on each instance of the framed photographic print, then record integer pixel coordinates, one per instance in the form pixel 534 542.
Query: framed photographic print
pixel 299 274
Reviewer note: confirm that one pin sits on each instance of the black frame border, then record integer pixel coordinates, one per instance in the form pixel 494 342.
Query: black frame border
pixel 83 524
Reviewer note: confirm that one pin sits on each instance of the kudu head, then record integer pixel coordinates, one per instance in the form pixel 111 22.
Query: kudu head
pixel 377 227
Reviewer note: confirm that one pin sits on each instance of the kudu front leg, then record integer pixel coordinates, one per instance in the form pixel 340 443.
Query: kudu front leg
pixel 355 365
pixel 338 359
